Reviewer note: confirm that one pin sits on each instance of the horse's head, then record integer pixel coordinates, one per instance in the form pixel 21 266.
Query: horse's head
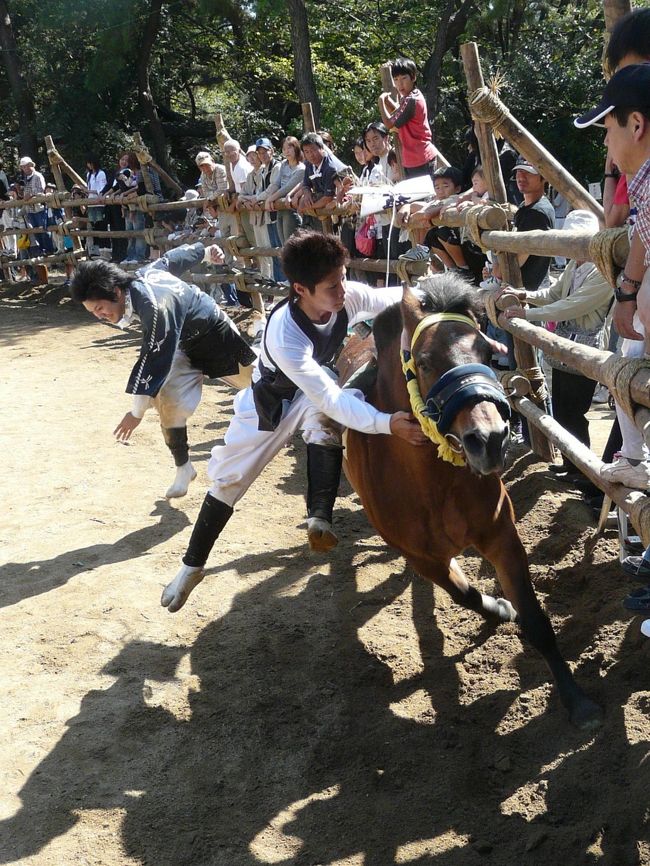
pixel 451 361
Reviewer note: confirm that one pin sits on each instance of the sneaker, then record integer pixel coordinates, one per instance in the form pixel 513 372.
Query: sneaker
pixel 636 567
pixel 621 471
pixel 601 395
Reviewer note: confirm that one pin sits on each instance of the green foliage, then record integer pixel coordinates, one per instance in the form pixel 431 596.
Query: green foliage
pixel 236 57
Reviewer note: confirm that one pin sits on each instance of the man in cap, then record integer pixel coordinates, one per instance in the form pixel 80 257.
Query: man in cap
pixel 213 179
pixel 36 212
pixel 185 336
pixel 535 212
pixel 624 111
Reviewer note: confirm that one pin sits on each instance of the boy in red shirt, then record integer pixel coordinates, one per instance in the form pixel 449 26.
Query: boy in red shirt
pixel 409 117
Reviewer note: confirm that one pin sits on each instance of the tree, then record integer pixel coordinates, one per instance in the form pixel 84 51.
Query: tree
pixel 21 94
pixel 302 63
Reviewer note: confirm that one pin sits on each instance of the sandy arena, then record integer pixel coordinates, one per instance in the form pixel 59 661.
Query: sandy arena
pixel 301 709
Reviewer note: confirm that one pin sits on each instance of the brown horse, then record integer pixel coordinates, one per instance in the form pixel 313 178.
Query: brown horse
pixel 430 509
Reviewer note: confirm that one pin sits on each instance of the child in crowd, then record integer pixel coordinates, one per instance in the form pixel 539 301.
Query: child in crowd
pixel 409 118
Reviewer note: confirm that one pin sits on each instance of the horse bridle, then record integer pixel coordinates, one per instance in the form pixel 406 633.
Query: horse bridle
pixel 459 387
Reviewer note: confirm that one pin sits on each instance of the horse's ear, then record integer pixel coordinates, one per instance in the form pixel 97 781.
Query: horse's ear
pixel 411 308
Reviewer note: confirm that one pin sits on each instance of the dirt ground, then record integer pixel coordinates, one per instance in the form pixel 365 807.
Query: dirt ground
pixel 300 709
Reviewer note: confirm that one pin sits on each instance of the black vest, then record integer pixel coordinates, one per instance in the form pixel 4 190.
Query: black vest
pixel 273 386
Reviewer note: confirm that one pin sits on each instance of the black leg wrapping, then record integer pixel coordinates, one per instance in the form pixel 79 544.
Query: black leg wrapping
pixel 323 476
pixel 176 440
pixel 212 518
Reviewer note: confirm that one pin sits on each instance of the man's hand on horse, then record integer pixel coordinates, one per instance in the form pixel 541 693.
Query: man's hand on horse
pixel 126 426
pixel 215 255
pixel 407 427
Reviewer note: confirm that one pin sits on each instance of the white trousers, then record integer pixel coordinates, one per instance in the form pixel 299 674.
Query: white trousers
pixel 181 394
pixel 633 445
pixel 246 450
pixel 262 240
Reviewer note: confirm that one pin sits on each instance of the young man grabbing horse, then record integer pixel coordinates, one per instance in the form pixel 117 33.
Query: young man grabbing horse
pixel 293 388
pixel 185 336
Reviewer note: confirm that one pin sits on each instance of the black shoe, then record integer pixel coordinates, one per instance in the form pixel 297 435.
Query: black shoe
pixel 637 568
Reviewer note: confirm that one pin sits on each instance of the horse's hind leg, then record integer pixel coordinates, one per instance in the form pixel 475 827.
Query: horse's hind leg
pixel 506 553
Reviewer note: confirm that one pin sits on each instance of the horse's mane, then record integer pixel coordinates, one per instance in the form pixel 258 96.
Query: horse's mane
pixel 443 293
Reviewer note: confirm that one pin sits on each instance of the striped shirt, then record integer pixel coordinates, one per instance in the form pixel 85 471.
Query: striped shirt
pixel 639 190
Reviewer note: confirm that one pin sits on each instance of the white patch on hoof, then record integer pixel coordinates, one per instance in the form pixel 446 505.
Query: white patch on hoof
pixel 176 593
pixel 507 613
pixel 185 474
pixel 320 534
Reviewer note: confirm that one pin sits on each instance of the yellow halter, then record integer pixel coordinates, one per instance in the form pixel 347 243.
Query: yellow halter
pixel 429 427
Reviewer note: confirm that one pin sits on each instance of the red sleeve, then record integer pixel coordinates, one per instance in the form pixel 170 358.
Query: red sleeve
pixel 621 196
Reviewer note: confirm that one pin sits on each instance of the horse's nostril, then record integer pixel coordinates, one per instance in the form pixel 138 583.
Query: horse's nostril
pixel 474 443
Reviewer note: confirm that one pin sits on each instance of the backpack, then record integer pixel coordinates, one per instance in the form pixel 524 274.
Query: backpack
pixel 365 237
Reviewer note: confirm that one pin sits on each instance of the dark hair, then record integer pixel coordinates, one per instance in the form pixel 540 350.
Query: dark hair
pixel 93 161
pixel 326 135
pixel 478 170
pixel 97 281
pixel 308 257
pixel 455 175
pixel 403 66
pixel 622 113
pixel 378 126
pixel 631 34
pixel 134 163
pixel 293 142
pixel 312 138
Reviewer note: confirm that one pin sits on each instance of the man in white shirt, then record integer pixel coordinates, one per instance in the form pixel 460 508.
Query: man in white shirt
pixel 294 389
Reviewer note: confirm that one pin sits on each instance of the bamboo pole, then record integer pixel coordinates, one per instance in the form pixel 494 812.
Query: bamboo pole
pixel 633 502
pixel 524 354
pixel 486 107
pixel 55 158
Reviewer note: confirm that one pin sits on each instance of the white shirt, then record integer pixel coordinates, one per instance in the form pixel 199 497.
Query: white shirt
pixel 240 171
pixel 292 350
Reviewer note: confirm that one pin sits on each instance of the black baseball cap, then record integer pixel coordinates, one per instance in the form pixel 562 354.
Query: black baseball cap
pixel 629 88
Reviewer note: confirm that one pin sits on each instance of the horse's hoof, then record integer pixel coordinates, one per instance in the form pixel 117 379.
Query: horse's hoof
pixel 586 715
pixel 321 535
pixel 506 611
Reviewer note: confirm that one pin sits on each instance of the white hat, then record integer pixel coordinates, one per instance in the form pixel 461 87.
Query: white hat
pixel 251 149
pixel 580 219
pixel 26 160
pixel 190 195
pixel 203 157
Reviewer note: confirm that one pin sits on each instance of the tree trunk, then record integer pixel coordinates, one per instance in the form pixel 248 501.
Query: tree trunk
pixel 21 93
pixel 145 97
pixel 450 27
pixel 303 72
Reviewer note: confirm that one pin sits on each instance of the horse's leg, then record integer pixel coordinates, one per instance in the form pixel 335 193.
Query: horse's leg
pixel 449 576
pixel 506 553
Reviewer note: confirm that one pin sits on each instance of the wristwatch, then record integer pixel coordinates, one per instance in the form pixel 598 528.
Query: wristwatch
pixel 623 280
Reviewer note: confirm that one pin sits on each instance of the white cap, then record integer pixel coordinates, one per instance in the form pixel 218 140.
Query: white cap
pixel 645 627
pixel 580 219
pixel 190 195
pixel 26 160
pixel 203 157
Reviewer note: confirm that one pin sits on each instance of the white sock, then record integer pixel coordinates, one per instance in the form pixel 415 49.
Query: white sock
pixel 185 474
pixel 176 593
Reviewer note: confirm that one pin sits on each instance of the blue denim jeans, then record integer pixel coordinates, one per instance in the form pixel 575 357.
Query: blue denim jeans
pixel 137 247
pixel 274 237
pixel 43 239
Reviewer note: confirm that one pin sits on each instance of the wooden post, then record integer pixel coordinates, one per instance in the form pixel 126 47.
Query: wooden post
pixel 55 164
pixel 388 86
pixel 487 107
pixel 144 158
pixel 524 354
pixel 613 9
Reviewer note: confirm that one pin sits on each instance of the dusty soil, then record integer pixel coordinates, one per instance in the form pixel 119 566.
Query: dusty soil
pixel 300 709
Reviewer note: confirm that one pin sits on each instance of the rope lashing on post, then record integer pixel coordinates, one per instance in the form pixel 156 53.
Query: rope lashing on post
pixel 478 211
pixel 622 371
pixel 142 201
pixel 601 252
pixel 486 107
pixel 150 237
pixel 537 381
